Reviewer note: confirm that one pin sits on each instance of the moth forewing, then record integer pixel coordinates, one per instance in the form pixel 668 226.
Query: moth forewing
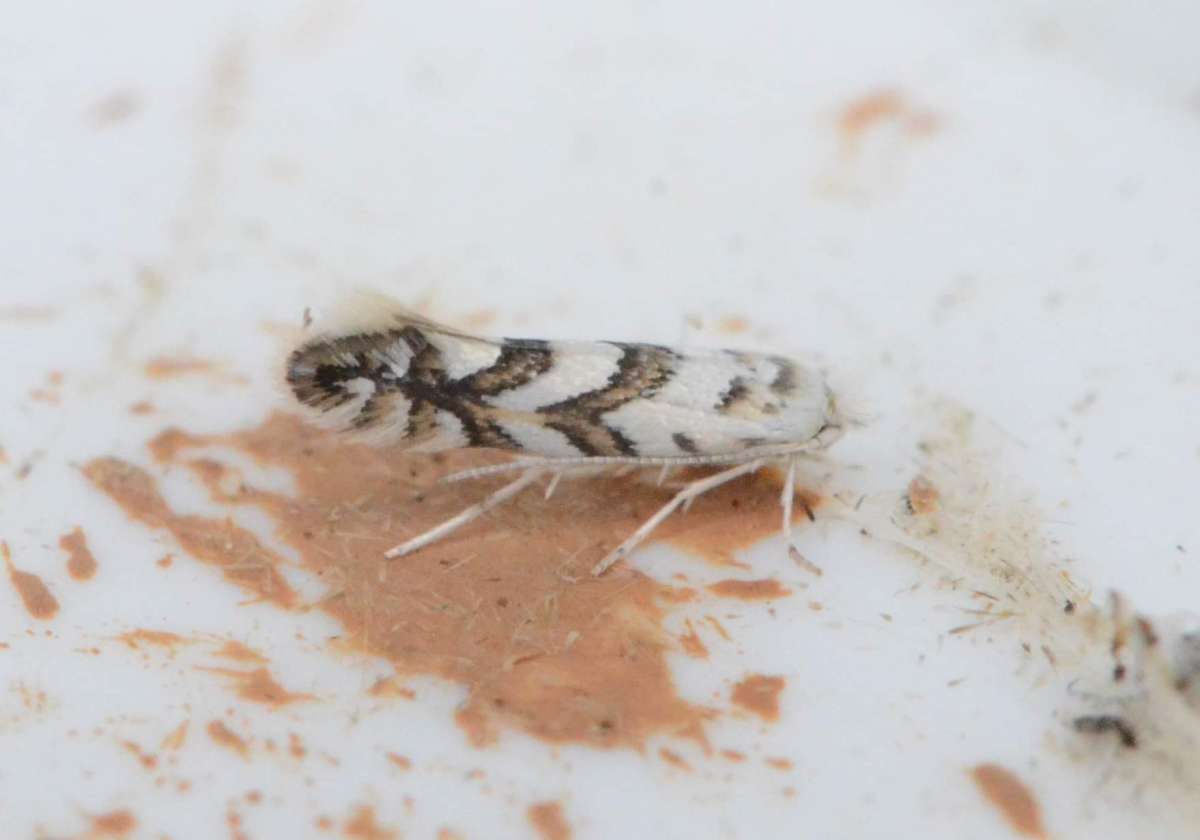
pixel 393 377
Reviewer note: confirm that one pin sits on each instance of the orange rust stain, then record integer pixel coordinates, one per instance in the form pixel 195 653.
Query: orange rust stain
pixel 505 607
pixel 880 107
pixel 34 593
pixel 45 396
pixel 391 687
pixel 242 558
pixel 682 595
pixel 923 497
pixel 780 763
pixel 759 694
pixel 750 590
pixel 733 324
pixel 719 627
pixel 400 761
pixel 165 561
pixel 548 821
pixel 1009 795
pixel 296 746
pixel 259 686
pixel 81 565
pixel 363 824
pixel 141 407
pixel 114 823
pixel 176 737
pixel 239 652
pixel 733 755
pixel 162 638
pixel 674 758
pixel 149 761
pixel 226 737
pixel 692 645
pixel 164 367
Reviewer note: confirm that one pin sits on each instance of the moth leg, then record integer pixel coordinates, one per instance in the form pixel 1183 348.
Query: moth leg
pixel 553 483
pixel 691 491
pixel 474 511
pixel 662 474
pixel 786 499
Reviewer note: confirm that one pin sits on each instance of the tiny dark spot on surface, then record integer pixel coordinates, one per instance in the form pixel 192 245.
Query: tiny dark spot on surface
pixel 1069 608
pixel 502 602
pixel 1118 673
pixel 308 450
pixel 498 702
pixel 735 503
pixel 606 725
pixel 308 535
pixel 420 497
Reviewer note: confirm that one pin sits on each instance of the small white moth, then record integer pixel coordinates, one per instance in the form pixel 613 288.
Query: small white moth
pixel 400 379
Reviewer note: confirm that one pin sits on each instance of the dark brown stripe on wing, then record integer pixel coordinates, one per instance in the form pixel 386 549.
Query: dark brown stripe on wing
pixel 737 391
pixel 642 370
pixel 685 443
pixel 519 363
pixel 784 382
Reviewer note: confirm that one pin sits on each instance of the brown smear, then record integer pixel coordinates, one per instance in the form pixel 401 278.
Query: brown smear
pixel 176 737
pixel 759 694
pixel 162 638
pixel 81 565
pixel 149 761
pixel 34 593
pixel 1011 798
pixel 548 821
pixel 674 758
pixel 239 652
pixel 880 107
pixel 175 367
pixel 364 825
pixel 226 737
pixel 259 686
pixel 505 607
pixel 114 823
pixel 750 590
pixel 692 645
pixel 218 542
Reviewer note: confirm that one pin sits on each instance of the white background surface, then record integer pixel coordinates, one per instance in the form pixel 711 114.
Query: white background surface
pixel 607 171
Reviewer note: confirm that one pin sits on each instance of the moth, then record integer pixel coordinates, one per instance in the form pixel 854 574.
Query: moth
pixel 396 378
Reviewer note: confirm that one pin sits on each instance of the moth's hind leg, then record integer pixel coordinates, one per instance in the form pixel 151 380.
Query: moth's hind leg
pixel 473 512
pixel 684 496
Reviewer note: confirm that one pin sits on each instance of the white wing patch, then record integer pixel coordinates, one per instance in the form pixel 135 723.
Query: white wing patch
pixel 463 356
pixel 578 368
pixel 546 442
